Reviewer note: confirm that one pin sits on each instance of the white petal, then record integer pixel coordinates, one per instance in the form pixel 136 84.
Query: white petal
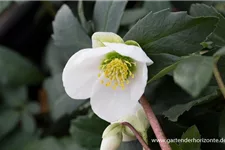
pixel 99 37
pixel 112 142
pixel 112 105
pixel 81 72
pixel 131 51
pixel 139 82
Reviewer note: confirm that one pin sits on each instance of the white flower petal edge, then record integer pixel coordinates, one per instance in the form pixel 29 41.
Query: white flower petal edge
pixel 112 105
pixel 81 72
pixel 98 39
pixel 131 51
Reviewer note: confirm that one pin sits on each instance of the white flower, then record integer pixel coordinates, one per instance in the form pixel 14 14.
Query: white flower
pixel 113 75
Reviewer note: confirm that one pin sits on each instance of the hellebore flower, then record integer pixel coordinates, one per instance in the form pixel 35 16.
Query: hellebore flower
pixel 113 74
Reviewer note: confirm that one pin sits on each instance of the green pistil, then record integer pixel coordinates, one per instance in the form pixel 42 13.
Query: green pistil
pixel 112 55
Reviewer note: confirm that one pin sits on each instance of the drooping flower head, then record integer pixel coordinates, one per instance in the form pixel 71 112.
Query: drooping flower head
pixel 116 132
pixel 113 74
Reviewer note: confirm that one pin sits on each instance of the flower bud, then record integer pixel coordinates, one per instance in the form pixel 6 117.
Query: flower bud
pixel 112 130
pixel 139 122
pixel 111 142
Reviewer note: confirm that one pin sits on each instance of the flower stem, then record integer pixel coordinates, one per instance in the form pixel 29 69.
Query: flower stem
pixel 219 79
pixel 154 124
pixel 137 134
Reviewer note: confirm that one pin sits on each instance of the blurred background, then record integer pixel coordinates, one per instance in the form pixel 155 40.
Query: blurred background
pixel 35 112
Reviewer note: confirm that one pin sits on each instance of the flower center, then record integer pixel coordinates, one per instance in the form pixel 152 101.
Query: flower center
pixel 117 70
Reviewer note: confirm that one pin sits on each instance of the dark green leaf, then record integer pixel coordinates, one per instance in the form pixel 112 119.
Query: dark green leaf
pixel 70 144
pixel 68 31
pixel 222 125
pixel 163 72
pixel 175 111
pixel 11 65
pixel 87 131
pixel 69 37
pixel 107 15
pixel 8 121
pixel 4 5
pixel 56 58
pixel 171 32
pixel 194 73
pixel 218 36
pixel 48 143
pixel 191 133
pixel 28 122
pixel 161 62
pixel 203 10
pixel 172 129
pixel 220 52
pixel 60 103
pixel 33 108
pixel 17 141
pixel 164 93
pixel 130 16
pixel 155 6
pixel 208 125
pixel 15 97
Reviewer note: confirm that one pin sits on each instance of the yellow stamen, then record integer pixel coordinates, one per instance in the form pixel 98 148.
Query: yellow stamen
pixel 117 72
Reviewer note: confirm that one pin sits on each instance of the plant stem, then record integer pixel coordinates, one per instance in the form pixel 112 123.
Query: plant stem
pixel 154 124
pixel 219 79
pixel 137 134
